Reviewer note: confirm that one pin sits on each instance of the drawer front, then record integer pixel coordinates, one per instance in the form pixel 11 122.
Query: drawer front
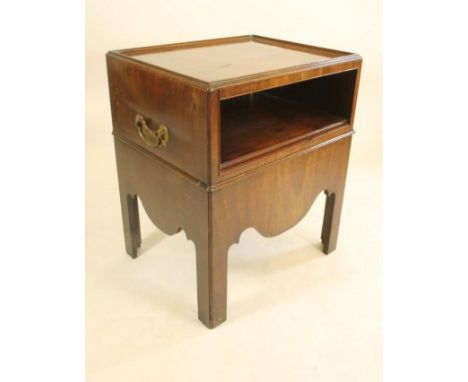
pixel 161 114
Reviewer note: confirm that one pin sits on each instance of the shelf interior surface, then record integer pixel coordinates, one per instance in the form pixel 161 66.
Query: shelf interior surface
pixel 254 124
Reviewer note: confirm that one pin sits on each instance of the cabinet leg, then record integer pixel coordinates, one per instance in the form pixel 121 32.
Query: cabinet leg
pixel 211 283
pixel 131 223
pixel 326 217
pixel 331 220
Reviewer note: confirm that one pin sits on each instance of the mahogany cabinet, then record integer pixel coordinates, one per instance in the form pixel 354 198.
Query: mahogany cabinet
pixel 220 135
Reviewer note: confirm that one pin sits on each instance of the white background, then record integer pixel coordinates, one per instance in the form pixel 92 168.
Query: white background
pixel 42 321
pixel 308 315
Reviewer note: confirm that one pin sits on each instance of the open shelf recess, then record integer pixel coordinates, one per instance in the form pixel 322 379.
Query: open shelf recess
pixel 256 124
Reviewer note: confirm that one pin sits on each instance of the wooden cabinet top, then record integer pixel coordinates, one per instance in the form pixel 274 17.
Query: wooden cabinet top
pixel 219 62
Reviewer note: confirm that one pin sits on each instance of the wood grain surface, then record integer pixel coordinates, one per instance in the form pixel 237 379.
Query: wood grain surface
pixel 258 127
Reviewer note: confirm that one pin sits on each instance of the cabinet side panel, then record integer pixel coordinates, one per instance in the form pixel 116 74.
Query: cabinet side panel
pixel 160 99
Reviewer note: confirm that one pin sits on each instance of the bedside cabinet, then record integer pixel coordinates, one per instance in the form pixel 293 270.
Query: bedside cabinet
pixel 220 135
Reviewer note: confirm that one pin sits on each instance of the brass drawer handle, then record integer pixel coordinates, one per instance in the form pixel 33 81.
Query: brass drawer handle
pixel 153 138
